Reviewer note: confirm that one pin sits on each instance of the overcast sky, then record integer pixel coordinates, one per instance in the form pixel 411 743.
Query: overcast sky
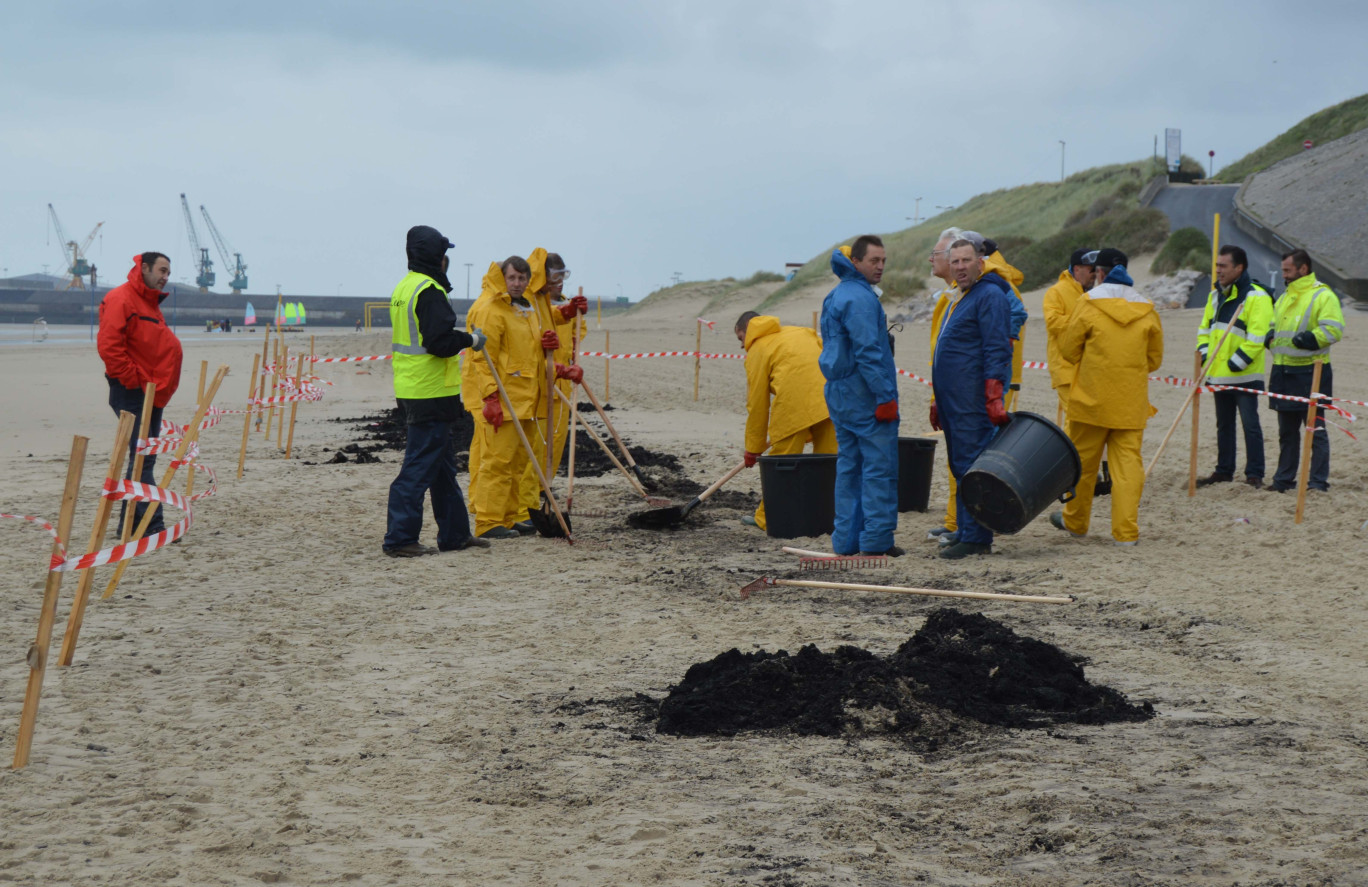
pixel 637 139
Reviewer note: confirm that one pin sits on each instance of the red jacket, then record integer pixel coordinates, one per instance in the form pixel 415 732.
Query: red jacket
pixel 135 343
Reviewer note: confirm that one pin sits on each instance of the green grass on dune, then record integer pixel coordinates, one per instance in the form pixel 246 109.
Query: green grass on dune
pixel 1324 126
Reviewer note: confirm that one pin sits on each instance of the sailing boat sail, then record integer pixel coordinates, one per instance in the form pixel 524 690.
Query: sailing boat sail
pixel 302 319
pixel 249 316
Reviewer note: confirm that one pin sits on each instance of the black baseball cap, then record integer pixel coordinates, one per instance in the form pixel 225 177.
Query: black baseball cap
pixel 1111 257
pixel 1083 256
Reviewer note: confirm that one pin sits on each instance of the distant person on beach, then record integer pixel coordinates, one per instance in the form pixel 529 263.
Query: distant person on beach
pixel 137 347
pixel 785 409
pixel 1239 363
pixel 1059 304
pixel 971 368
pixel 1307 320
pixel 424 344
pixel 945 302
pixel 544 291
pixel 515 347
pixel 862 398
pixel 1115 340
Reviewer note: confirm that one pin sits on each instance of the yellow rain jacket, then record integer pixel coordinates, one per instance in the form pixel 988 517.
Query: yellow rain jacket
pixel 549 318
pixel 1014 278
pixel 1115 340
pixel 1060 302
pixel 781 362
pixel 512 340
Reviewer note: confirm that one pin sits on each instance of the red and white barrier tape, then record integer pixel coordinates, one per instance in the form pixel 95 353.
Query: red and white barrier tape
pixel 607 356
pixel 131 490
pixel 40 522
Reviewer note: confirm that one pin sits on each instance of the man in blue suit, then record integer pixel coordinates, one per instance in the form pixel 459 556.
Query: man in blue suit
pixel 971 366
pixel 862 398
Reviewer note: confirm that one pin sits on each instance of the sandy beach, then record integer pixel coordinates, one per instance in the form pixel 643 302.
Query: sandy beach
pixel 273 701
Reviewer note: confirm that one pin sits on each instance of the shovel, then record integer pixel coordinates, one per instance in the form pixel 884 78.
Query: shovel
pixel 552 529
pixel 663 518
pixel 607 451
pixel 626 455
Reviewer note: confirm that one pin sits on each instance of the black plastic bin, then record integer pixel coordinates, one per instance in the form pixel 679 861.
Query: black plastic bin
pixel 1027 466
pixel 799 493
pixel 916 466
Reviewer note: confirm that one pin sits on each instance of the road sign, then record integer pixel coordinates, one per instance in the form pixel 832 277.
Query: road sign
pixel 1308 144
pixel 1173 148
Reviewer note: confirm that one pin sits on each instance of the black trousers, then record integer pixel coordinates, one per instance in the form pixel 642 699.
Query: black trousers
pixel 123 399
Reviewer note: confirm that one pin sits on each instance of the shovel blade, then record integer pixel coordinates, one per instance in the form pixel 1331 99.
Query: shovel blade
pixel 656 519
pixel 546 522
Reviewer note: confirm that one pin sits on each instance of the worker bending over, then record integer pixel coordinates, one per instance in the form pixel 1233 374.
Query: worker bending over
pixel 1115 340
pixel 862 398
pixel 972 363
pixel 782 363
pixel 514 348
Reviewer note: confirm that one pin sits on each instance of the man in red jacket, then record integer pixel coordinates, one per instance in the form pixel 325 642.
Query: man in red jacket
pixel 138 347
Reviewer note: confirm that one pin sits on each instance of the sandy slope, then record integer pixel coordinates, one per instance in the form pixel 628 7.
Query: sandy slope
pixel 275 701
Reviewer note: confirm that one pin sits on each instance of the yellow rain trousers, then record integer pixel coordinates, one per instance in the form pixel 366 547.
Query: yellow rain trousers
pixel 1115 340
pixel 945 306
pixel 513 343
pixel 1060 302
pixel 549 318
pixel 785 403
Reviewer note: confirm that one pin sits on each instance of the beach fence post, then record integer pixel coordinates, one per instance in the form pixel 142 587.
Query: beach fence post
pixel 103 509
pixel 607 350
pixel 144 426
pixel 275 383
pixel 191 435
pixel 816 328
pixel 204 374
pixel 284 371
pixel 1196 428
pixel 698 355
pixel 1304 475
pixel 37 654
pixel 247 419
pixel 294 405
pixel 265 353
pixel 190 476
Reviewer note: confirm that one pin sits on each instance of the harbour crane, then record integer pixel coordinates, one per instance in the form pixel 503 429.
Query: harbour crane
pixel 73 253
pixel 238 268
pixel 205 278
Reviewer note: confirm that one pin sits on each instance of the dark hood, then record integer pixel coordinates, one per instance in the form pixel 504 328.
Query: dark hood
pixel 426 246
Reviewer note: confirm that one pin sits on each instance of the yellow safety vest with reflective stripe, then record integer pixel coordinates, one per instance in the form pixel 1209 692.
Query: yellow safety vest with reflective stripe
pixel 418 375
pixel 1245 345
pixel 1308 304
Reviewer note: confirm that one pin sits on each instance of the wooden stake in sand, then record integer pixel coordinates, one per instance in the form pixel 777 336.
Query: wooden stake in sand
pixel 247 419
pixel 204 374
pixel 265 353
pixel 275 383
pixel 816 328
pixel 607 349
pixel 284 377
pixel 1308 437
pixel 698 358
pixel 97 536
pixel 38 653
pixel 190 475
pixel 1196 428
pixel 294 405
pixel 191 435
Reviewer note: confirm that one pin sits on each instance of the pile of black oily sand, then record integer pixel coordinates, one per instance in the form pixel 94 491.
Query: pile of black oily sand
pixel 956 666
pixel 389 431
pixel 591 461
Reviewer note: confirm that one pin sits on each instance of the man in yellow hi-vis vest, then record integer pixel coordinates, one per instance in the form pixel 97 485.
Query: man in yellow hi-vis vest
pixel 1307 320
pixel 427 383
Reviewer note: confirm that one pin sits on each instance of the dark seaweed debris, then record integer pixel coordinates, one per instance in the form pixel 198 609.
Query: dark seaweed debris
pixel 964 665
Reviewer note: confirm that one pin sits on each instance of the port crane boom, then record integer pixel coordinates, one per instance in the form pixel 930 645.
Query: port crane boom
pixel 73 253
pixel 205 277
pixel 235 264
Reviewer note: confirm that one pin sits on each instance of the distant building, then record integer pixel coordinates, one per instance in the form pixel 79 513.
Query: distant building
pixel 791 268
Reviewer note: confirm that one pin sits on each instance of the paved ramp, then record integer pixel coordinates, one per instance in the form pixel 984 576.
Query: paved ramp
pixel 1192 206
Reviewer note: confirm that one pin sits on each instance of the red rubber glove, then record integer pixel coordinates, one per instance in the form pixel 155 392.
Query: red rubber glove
pixel 935 417
pixel 573 373
pixel 577 305
pixel 550 341
pixel 751 458
pixel 493 411
pixel 886 412
pixel 997 413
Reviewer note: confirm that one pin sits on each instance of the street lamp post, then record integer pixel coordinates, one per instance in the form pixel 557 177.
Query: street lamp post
pixel 1061 160
pixel 916 213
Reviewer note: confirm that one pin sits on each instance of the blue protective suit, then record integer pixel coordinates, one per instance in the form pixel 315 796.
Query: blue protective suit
pixel 857 361
pixel 975 344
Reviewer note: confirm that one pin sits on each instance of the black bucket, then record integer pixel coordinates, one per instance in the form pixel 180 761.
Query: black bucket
pixel 799 493
pixel 916 465
pixel 1027 466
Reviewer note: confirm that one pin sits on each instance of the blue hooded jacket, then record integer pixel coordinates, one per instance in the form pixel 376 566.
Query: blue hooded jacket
pixel 857 359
